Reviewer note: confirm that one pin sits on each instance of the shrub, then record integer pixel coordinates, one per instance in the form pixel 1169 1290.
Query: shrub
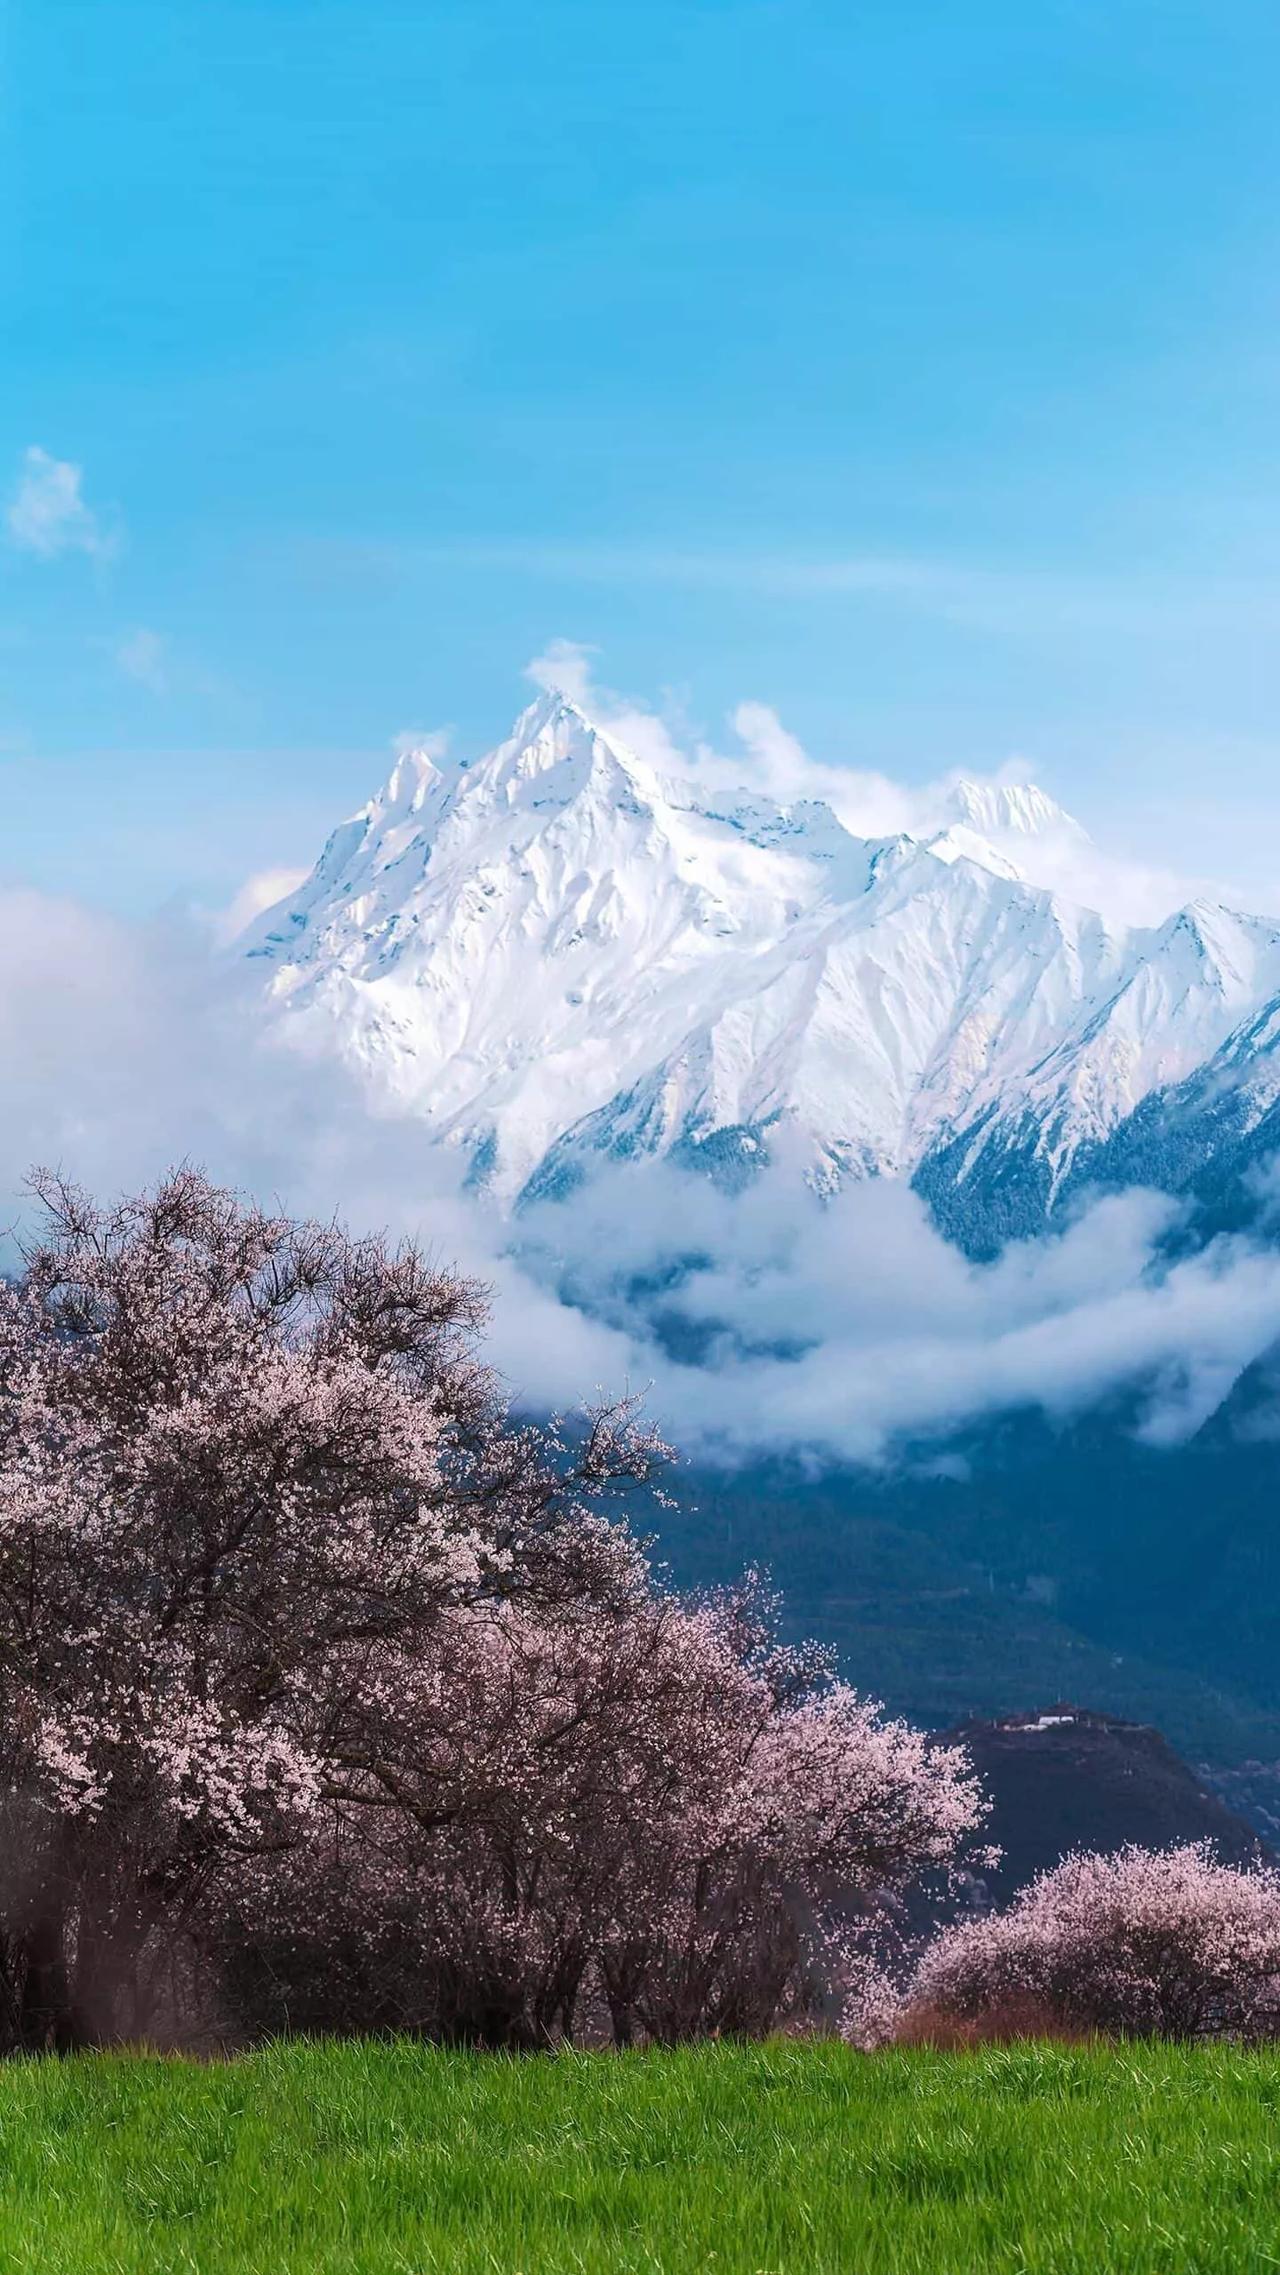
pixel 1163 1943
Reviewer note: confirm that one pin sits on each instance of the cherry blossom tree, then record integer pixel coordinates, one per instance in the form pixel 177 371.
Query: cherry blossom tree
pixel 1146 1942
pixel 246 1467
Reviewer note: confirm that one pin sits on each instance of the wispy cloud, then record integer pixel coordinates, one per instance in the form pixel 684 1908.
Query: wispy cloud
pixel 256 894
pixel 1030 601
pixel 433 742
pixel 48 514
pixel 564 667
pixel 143 656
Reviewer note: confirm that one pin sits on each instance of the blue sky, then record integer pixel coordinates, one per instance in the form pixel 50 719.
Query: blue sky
pixel 911 368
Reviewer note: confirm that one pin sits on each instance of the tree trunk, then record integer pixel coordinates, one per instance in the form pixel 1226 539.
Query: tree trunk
pixel 46 2022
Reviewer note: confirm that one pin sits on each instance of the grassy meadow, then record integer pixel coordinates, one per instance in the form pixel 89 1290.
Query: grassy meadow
pixel 365 2159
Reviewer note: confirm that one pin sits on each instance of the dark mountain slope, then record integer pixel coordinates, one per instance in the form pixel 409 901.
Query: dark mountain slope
pixel 1069 1779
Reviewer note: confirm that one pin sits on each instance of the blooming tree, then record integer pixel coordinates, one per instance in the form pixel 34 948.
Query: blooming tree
pixel 244 1464
pixel 1150 1942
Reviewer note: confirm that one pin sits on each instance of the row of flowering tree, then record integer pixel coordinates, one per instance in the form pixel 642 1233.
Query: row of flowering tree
pixel 331 1697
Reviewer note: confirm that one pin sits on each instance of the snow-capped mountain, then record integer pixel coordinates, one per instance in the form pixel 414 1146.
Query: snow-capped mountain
pixel 561 951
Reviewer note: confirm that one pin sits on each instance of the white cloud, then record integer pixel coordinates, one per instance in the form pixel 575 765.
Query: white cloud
pixel 563 668
pixel 143 656
pixel 433 742
pixel 256 894
pixel 127 1047
pixel 47 513
pixel 844 1328
pixel 869 804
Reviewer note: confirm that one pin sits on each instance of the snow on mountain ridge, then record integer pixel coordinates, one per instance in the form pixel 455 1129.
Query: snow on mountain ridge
pixel 561 949
pixel 1020 808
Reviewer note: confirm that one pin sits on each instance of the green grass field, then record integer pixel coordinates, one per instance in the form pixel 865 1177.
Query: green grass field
pixel 362 2158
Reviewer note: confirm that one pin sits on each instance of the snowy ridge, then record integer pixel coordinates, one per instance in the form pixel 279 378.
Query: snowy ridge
pixel 559 951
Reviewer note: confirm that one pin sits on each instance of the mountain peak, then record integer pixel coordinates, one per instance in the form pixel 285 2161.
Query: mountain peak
pixel 411 780
pixel 1019 809
pixel 550 731
pixel 551 711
